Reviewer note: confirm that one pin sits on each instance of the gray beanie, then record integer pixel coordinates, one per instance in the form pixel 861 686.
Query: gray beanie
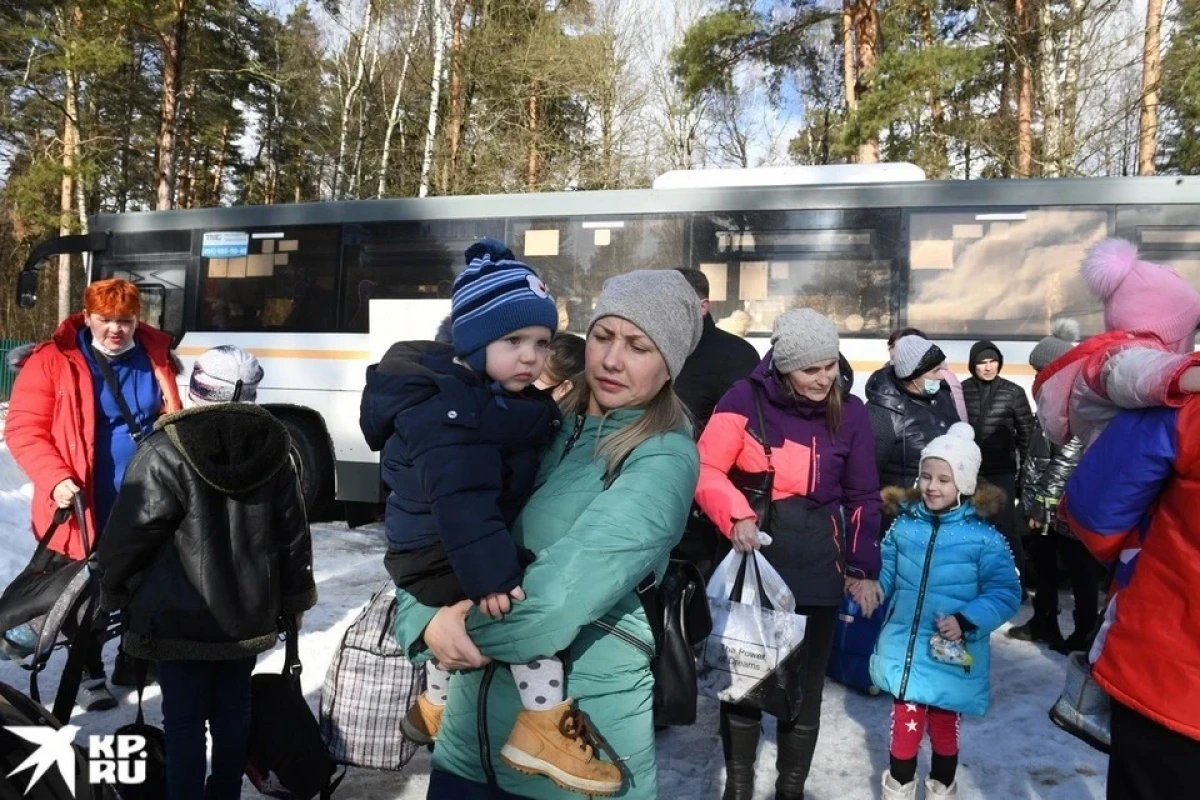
pixel 803 337
pixel 1063 335
pixel 225 374
pixel 663 304
pixel 915 355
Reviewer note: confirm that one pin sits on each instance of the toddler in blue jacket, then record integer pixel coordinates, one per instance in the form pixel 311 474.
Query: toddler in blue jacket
pixel 462 429
pixel 951 581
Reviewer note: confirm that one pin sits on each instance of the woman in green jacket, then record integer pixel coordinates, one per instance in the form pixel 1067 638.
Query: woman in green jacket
pixel 613 495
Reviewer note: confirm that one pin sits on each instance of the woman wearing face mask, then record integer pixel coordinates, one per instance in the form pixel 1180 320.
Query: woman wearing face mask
pixel 910 407
pixel 68 431
pixel 563 365
pixel 824 519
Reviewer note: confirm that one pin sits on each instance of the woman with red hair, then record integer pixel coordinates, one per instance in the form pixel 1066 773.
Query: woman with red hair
pixel 81 403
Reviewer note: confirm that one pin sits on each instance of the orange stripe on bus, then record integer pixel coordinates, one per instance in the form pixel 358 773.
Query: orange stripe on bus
pixel 273 352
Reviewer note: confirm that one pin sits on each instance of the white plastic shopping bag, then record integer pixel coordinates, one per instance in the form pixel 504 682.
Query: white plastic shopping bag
pixel 755 627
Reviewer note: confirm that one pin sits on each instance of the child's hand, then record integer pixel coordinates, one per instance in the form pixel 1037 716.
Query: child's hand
pixel 1189 382
pixel 495 605
pixel 949 629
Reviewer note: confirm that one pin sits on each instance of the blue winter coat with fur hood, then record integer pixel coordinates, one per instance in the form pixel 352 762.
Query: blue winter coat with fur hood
pixel 948 563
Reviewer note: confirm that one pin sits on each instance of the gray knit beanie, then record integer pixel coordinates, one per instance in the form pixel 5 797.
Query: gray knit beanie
pixel 1063 335
pixel 803 337
pixel 915 355
pixel 663 304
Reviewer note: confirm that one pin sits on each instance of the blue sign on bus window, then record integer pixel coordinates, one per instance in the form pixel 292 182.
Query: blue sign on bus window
pixel 225 244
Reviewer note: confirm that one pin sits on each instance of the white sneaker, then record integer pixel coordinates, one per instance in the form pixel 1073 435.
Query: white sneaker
pixel 94 695
pixel 937 789
pixel 898 791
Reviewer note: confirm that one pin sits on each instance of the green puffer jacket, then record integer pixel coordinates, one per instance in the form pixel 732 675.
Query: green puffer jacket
pixel 593 547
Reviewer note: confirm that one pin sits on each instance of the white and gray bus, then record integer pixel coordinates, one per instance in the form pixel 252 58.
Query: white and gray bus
pixel 317 290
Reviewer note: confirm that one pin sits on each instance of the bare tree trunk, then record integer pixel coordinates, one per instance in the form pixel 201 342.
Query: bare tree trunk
pixel 1051 97
pixel 360 68
pixel 937 113
pixel 219 177
pixel 67 194
pixel 1024 89
pixel 394 118
pixel 458 11
pixel 173 45
pixel 435 91
pixel 531 177
pixel 1070 101
pixel 867 41
pixel 849 74
pixel 1151 73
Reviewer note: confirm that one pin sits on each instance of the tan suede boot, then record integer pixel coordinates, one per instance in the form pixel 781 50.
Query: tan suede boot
pixel 560 744
pixel 422 722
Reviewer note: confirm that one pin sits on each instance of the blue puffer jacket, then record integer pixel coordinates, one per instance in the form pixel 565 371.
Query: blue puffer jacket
pixel 950 563
pixel 459 456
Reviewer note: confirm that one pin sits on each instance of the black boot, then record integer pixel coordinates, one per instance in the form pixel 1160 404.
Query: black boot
pixel 796 746
pixel 1040 628
pixel 739 740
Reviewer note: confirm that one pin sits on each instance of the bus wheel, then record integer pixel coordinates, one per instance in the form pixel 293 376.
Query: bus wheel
pixel 316 465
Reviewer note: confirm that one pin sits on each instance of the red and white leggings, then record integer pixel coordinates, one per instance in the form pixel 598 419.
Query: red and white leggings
pixel 909 721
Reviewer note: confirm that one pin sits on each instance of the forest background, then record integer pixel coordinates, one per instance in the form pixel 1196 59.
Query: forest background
pixel 128 105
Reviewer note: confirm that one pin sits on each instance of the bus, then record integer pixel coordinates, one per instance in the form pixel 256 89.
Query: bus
pixel 318 290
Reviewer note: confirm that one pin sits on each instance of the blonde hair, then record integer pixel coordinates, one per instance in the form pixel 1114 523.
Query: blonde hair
pixel 664 413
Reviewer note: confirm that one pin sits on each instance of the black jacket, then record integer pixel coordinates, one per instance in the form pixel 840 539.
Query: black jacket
pixel 208 543
pixel 903 424
pixel 459 456
pixel 1044 477
pixel 720 360
pixel 999 412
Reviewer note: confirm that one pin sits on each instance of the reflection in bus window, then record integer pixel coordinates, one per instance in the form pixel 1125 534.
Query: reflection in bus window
pixel 1002 272
pixel 575 257
pixel 841 263
pixel 285 282
pixel 1167 235
pixel 405 261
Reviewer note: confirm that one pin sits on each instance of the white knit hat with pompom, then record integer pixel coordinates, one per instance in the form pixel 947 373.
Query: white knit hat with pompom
pixel 958 449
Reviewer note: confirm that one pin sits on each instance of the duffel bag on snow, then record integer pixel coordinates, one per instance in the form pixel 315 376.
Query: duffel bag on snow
pixel 854 637
pixel 287 758
pixel 368 689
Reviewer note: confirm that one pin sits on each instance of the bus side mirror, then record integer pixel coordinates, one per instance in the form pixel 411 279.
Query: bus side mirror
pixel 27 288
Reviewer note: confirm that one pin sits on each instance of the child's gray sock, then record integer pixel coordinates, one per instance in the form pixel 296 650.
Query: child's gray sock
pixel 437 683
pixel 540 683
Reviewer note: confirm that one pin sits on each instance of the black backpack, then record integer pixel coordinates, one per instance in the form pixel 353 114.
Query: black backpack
pixel 287 757
pixel 679 617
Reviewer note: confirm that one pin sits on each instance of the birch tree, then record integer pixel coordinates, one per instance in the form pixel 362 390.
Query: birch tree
pixel 395 119
pixel 438 10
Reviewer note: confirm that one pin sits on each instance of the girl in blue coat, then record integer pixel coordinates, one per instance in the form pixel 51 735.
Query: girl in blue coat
pixel 951 580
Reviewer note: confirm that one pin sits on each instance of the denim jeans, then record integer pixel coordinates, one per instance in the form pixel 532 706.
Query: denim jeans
pixel 212 692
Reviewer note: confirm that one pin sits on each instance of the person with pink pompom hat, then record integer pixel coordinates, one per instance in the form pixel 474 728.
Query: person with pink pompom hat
pixel 1144 359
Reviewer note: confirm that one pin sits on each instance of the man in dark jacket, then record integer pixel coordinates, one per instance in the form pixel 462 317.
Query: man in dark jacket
pixel 720 360
pixel 998 410
pixel 206 549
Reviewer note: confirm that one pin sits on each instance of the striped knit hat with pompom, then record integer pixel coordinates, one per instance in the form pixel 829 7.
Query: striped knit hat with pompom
pixel 494 296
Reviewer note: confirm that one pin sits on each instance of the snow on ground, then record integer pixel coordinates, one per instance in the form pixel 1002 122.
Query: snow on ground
pixel 1013 752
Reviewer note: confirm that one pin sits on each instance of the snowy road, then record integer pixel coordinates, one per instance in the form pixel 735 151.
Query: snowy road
pixel 1014 752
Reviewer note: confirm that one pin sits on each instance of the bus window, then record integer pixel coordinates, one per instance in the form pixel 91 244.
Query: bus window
pixel 842 263
pixel 276 279
pixel 1165 235
pixel 405 261
pixel 576 256
pixel 1001 272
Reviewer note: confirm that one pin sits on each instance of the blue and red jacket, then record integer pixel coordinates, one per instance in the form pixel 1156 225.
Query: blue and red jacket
pixel 1134 501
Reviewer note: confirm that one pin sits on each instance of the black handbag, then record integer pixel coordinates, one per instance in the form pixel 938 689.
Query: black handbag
pixel 155 785
pixel 287 757
pixel 677 610
pixel 781 692
pixel 32 593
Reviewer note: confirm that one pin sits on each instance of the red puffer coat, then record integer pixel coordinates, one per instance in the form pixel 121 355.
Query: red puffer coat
pixel 51 425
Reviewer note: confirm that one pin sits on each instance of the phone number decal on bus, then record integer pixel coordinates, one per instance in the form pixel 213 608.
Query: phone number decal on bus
pixel 225 244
